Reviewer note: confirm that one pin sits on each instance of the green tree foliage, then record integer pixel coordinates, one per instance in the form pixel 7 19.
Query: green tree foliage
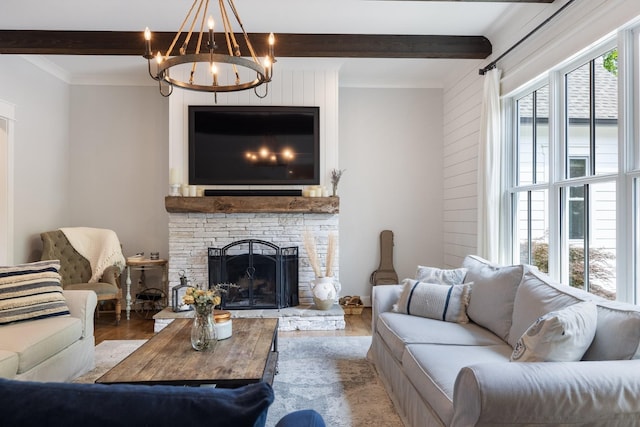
pixel 598 262
pixel 610 62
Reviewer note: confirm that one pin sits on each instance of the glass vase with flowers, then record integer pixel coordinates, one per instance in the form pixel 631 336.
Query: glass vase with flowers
pixel 203 333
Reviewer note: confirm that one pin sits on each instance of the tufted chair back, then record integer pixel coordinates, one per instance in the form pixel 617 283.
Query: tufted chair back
pixel 75 271
pixel 74 268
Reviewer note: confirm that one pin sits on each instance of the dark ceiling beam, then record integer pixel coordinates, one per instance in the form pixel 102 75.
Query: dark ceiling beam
pixel 38 42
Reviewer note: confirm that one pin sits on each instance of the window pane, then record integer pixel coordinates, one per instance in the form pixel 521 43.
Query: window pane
pixel 592 266
pixel 525 140
pixel 533 228
pixel 606 108
pixel 542 135
pixel 578 113
pixel 602 240
pixel 522 209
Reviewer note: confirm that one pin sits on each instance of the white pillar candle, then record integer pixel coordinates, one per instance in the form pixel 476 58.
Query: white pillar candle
pixel 173 176
pixel 193 191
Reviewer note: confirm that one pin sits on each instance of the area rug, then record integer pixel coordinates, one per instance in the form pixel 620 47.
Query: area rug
pixel 332 376
pixel 109 354
pixel 328 374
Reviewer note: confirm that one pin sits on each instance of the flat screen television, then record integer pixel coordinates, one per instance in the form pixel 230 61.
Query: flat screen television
pixel 254 145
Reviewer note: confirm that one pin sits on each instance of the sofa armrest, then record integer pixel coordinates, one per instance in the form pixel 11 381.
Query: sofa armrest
pixel 573 393
pixel 82 304
pixel 382 299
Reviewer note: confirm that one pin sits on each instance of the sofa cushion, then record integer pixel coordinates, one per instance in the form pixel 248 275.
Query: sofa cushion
pixel 433 368
pixel 31 291
pixel 435 301
pixel 538 295
pixel 99 405
pixel 38 340
pixel 8 364
pixel 617 333
pixel 398 330
pixel 559 336
pixel 495 287
pixel 438 275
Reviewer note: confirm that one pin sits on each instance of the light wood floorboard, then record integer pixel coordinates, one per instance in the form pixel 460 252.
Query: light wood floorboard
pixel 139 327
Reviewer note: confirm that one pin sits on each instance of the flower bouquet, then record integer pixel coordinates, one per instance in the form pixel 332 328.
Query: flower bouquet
pixel 203 333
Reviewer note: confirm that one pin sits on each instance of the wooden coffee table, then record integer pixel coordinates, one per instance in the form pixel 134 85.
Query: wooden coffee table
pixel 250 355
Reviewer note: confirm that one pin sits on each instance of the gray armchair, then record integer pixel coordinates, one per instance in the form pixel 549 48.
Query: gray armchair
pixel 75 271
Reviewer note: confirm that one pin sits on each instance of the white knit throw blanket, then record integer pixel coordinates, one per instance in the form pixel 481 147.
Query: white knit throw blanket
pixel 98 245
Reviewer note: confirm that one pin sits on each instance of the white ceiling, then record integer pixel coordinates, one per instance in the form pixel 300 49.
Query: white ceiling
pixel 278 16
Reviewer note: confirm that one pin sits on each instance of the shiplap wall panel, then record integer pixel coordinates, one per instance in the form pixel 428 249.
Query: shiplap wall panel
pixel 462 100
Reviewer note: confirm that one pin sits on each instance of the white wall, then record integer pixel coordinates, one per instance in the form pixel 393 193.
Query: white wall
pixel 391 148
pixel 41 151
pixel 118 164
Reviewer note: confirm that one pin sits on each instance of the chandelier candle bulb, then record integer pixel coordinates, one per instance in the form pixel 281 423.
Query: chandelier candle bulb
pixel 147 42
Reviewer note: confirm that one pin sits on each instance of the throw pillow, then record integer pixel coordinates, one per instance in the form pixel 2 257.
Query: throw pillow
pixel 435 301
pixel 559 336
pixel 31 291
pixel 438 275
pixel 494 290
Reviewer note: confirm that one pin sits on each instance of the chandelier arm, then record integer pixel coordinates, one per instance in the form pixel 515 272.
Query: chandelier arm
pixel 156 78
pixel 230 38
pixel 160 88
pixel 204 16
pixel 244 32
pixel 266 91
pixel 179 33
pixel 194 66
pixel 193 25
pixel 228 33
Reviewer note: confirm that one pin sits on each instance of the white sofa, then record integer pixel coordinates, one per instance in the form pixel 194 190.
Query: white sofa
pixel 57 348
pixel 442 373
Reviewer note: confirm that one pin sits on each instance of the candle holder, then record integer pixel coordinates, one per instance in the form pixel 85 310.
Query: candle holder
pixel 175 190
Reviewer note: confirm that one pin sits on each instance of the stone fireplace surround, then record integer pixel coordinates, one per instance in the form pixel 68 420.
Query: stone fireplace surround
pixel 197 223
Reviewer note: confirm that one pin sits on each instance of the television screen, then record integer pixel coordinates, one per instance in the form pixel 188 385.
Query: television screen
pixel 254 145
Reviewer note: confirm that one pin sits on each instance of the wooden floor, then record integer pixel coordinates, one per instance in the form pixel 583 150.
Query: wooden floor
pixel 139 327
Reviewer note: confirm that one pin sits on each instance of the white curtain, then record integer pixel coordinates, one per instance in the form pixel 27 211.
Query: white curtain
pixel 489 170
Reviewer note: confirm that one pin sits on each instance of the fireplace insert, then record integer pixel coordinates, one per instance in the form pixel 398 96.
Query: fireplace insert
pixel 255 274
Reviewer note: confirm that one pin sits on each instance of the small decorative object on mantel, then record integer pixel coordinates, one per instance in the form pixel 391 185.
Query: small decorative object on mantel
pixel 203 333
pixel 174 182
pixel 324 287
pixel 336 174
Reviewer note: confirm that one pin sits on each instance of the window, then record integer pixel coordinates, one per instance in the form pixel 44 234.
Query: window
pixel 530 201
pixel 565 213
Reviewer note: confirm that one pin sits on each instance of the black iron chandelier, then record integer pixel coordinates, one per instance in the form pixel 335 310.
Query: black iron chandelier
pixel 223 72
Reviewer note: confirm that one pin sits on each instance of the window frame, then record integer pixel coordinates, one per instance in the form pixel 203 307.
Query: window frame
pixel 558 177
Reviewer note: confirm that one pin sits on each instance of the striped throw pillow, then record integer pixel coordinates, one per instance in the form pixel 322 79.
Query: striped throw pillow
pixel 31 291
pixel 435 301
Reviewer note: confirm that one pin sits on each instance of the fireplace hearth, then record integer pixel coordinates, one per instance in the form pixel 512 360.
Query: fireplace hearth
pixel 256 274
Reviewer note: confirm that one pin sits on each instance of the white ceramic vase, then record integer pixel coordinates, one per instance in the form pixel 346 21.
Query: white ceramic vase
pixel 325 292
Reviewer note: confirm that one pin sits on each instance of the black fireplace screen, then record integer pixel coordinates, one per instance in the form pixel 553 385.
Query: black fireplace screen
pixel 256 274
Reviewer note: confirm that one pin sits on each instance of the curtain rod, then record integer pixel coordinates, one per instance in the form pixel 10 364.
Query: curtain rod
pixel 493 63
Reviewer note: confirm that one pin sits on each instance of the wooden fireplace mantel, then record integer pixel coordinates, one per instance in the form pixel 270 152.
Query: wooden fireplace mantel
pixel 252 204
